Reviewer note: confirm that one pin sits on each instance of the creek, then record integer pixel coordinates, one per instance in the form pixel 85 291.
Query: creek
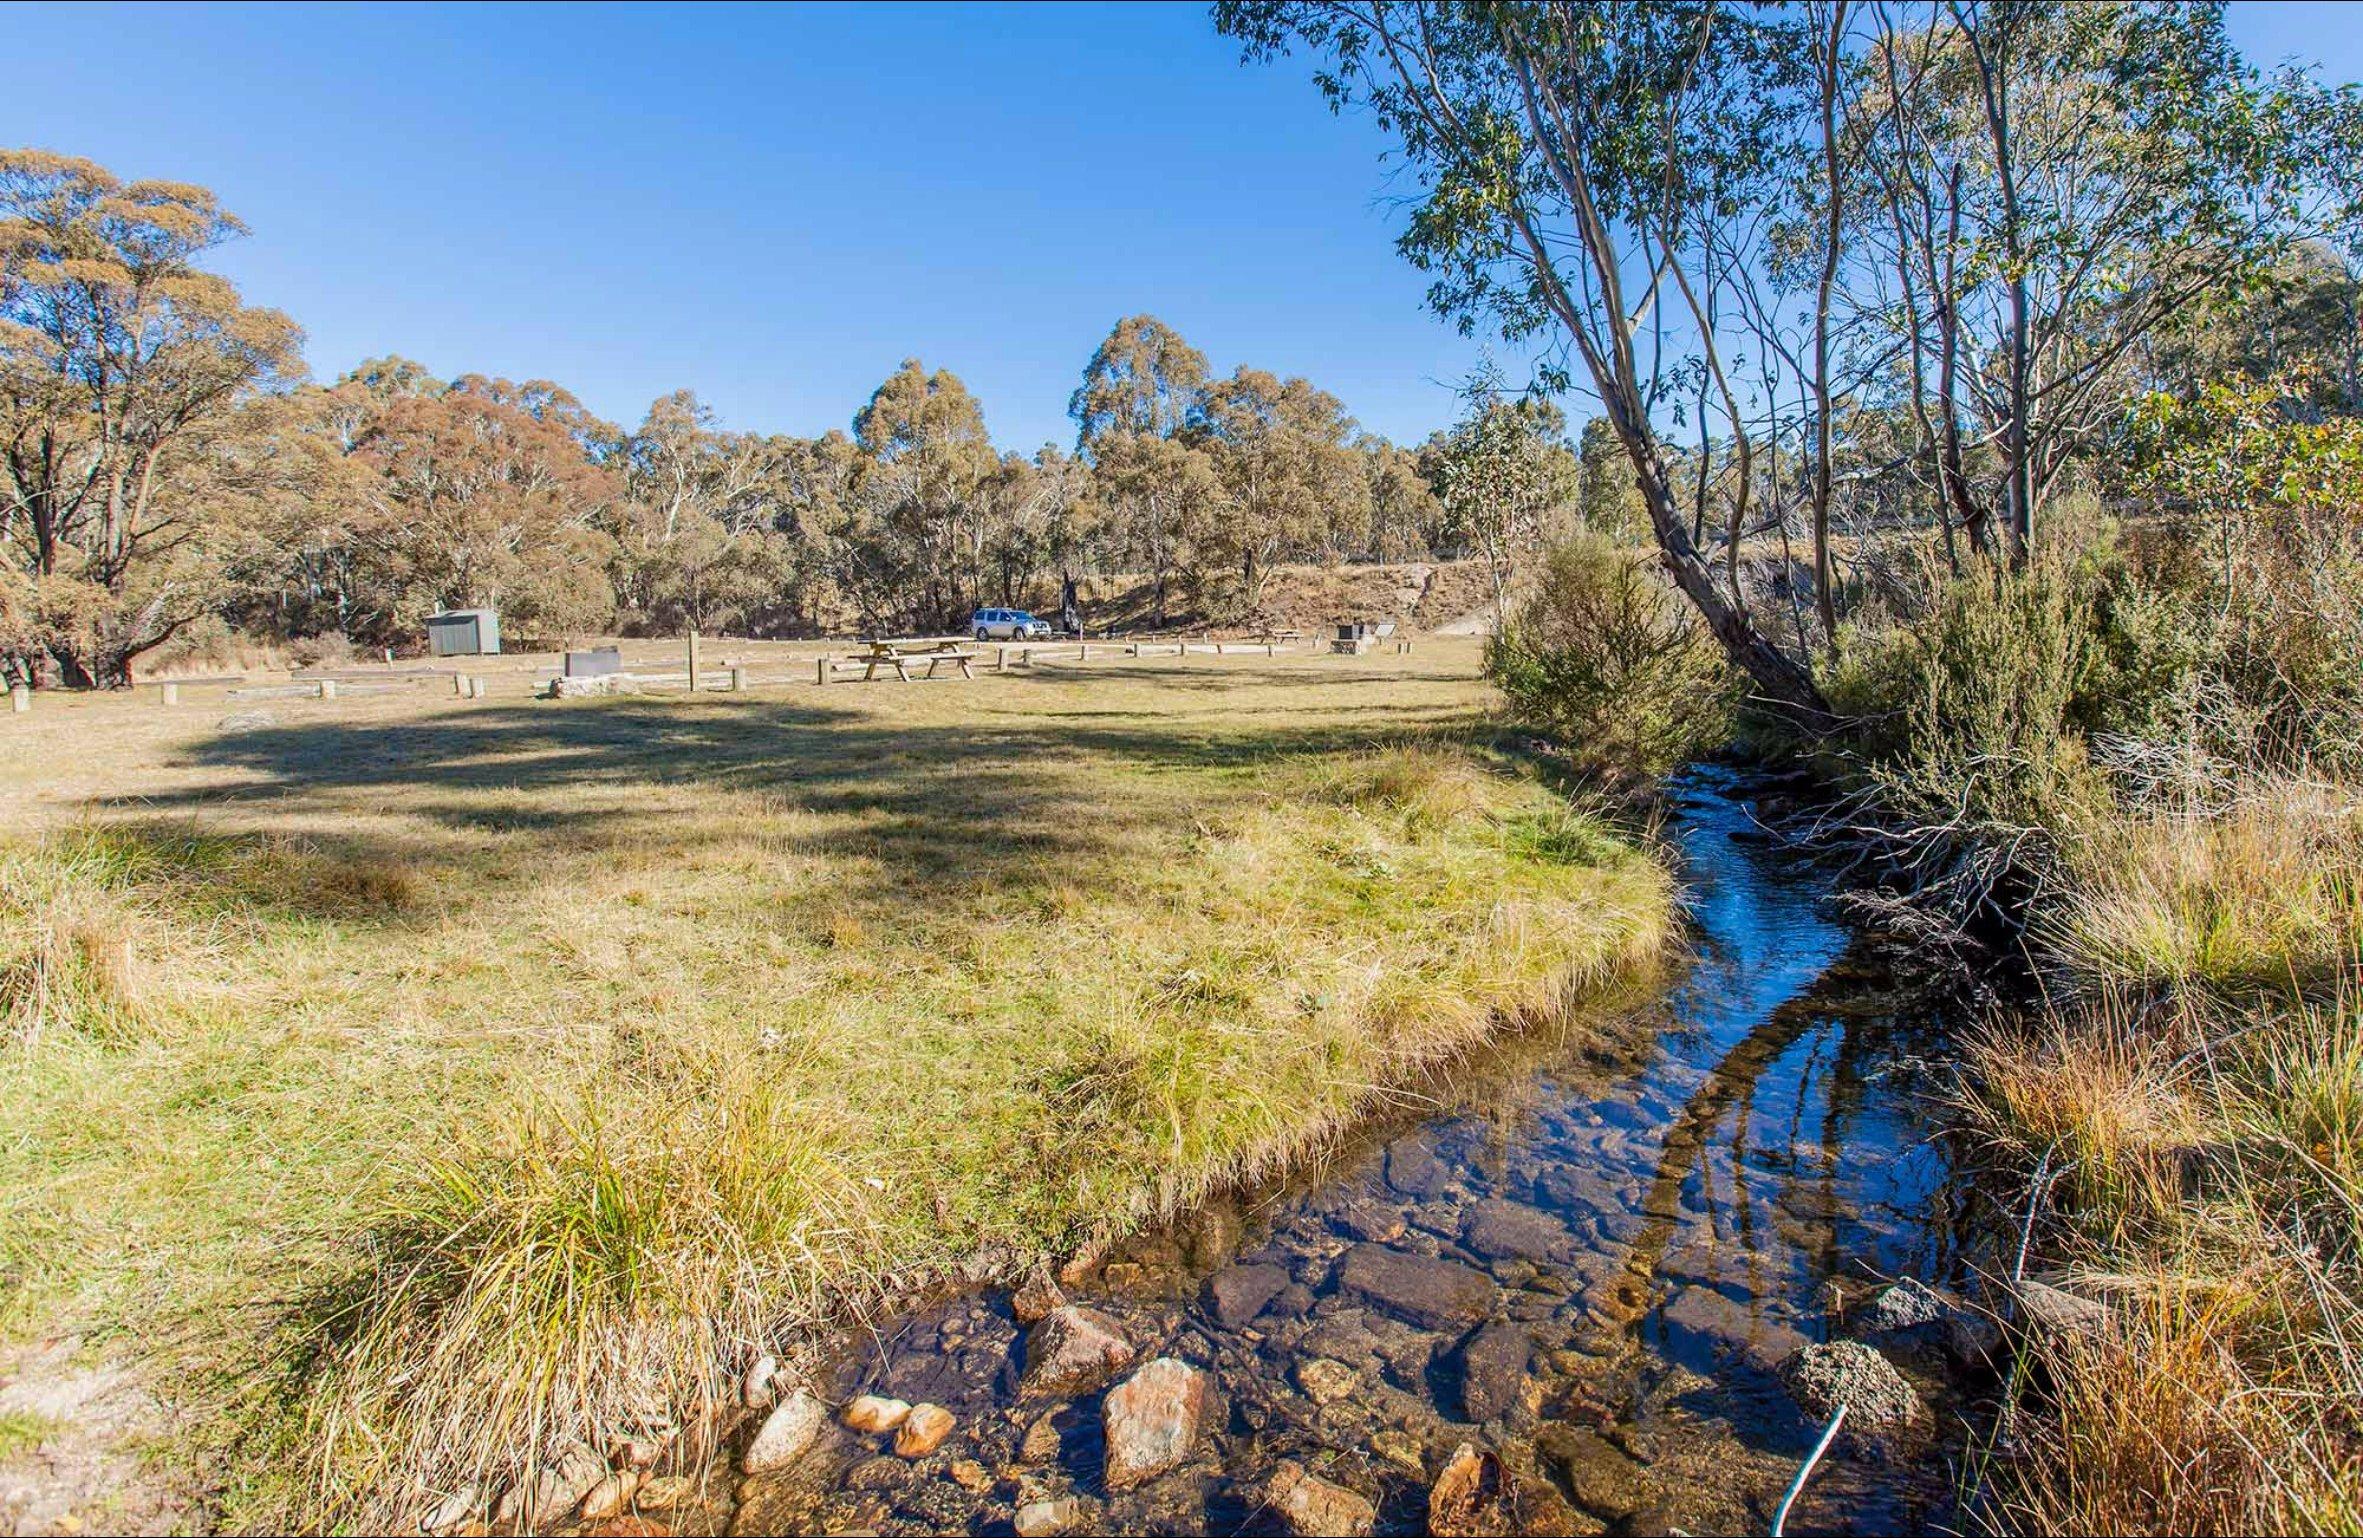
pixel 1586 1256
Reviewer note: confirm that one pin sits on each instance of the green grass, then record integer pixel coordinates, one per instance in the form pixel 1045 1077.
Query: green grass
pixel 440 1084
pixel 22 1431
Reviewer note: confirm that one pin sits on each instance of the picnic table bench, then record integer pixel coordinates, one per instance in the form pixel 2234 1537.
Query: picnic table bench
pixel 902 656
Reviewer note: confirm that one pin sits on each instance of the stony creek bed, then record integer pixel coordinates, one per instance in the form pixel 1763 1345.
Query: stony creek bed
pixel 1558 1301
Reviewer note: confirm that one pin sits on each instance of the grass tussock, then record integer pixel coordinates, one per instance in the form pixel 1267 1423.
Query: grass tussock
pixel 703 1022
pixel 2265 892
pixel 2201 1155
pixel 2167 1425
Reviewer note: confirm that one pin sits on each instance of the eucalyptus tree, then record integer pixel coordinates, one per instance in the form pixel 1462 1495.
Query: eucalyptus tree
pixel 1143 378
pixel 121 360
pixel 1167 506
pixel 1283 450
pixel 1500 473
pixel 697 527
pixel 2055 186
pixel 1404 512
pixel 486 493
pixel 1750 222
pixel 927 457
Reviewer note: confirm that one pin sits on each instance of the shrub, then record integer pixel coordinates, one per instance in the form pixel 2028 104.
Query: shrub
pixel 2255 581
pixel 1612 662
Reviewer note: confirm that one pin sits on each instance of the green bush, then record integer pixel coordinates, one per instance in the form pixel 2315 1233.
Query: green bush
pixel 2239 615
pixel 1614 664
pixel 1972 770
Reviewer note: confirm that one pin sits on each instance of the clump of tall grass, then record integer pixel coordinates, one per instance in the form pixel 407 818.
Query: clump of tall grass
pixel 2265 891
pixel 71 937
pixel 584 1278
pixel 2204 1408
pixel 2202 1152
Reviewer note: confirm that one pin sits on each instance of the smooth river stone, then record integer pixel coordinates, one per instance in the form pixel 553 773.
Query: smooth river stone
pixel 1492 1371
pixel 1073 1351
pixel 1500 1230
pixel 1237 1294
pixel 1152 1420
pixel 1440 1294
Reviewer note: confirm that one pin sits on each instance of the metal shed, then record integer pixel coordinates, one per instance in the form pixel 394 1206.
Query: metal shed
pixel 463 633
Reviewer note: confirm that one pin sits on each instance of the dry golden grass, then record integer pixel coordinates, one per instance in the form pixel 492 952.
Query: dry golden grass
pixel 2266 892
pixel 2204 1153
pixel 2167 1426
pixel 526 1068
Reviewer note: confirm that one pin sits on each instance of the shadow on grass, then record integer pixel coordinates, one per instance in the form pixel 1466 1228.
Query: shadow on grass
pixel 1010 797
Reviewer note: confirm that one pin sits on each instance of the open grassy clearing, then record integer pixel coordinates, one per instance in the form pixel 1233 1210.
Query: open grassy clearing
pixel 448 1080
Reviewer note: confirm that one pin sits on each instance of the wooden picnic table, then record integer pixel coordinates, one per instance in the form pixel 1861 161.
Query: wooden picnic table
pixel 903 655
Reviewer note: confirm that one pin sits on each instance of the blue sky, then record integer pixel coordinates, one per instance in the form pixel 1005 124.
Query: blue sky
pixel 775 206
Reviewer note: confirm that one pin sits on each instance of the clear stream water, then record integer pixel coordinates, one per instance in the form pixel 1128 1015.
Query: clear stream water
pixel 1657 1220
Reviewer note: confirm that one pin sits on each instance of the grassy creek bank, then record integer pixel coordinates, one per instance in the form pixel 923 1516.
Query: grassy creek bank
pixel 1564 1289
pixel 424 1099
pixel 2180 1131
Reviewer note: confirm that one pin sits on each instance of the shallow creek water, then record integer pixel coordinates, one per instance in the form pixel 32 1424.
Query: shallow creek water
pixel 1641 1227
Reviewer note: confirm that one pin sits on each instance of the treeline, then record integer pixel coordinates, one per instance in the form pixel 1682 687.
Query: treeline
pixel 170 472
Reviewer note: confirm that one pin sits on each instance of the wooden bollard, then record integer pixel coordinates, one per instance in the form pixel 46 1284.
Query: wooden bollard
pixel 459 685
pixel 738 680
pixel 168 694
pixel 477 687
pixel 20 699
pixel 328 688
pixel 1083 651
pixel 693 662
pixel 1000 659
pixel 820 670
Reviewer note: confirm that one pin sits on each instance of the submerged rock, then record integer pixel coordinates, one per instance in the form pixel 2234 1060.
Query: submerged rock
pixel 1603 1479
pixel 923 1432
pixel 1152 1420
pixel 1435 1292
pixel 1373 1222
pixel 1414 1169
pixel 1237 1294
pixel 1073 1351
pixel 787 1434
pixel 872 1413
pixel 1036 1296
pixel 1042 1440
pixel 1471 1497
pixel 1499 1230
pixel 1729 1328
pixel 1048 1518
pixel 1312 1507
pixel 1212 1234
pixel 1491 1371
pixel 1325 1381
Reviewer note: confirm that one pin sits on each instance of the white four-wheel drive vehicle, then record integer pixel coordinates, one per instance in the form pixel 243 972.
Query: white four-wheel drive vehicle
pixel 1007 625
